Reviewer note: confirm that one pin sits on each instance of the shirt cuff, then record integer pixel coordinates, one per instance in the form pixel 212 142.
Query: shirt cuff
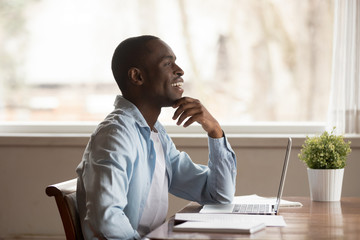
pixel 219 145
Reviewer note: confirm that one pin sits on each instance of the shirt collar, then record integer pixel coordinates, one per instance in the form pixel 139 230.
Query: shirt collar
pixel 131 110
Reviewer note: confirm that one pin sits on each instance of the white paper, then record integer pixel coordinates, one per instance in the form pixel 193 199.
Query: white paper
pixel 255 199
pixel 268 220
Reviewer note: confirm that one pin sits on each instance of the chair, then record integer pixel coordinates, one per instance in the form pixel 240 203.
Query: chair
pixel 65 196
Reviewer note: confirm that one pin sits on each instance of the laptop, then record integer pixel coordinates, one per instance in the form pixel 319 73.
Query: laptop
pixel 261 209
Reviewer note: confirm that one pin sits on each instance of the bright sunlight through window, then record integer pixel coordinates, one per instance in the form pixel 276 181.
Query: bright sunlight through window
pixel 247 61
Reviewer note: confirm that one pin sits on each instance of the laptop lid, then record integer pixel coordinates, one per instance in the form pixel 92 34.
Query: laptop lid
pixel 283 176
pixel 230 208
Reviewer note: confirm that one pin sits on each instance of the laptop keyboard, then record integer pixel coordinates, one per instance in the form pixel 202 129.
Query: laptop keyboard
pixel 251 208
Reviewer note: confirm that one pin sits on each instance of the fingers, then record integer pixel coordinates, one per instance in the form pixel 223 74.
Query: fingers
pixel 188 108
pixel 195 112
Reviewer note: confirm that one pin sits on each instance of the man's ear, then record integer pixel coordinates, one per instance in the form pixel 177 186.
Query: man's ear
pixel 135 77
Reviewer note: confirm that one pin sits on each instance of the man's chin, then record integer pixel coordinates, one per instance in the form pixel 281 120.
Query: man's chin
pixel 176 98
pixel 172 101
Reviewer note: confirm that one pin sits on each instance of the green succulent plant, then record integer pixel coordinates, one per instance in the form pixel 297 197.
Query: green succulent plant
pixel 327 151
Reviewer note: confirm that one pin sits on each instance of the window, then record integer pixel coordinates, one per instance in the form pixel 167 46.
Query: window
pixel 248 61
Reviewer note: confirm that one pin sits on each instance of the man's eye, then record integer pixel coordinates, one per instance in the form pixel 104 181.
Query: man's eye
pixel 167 64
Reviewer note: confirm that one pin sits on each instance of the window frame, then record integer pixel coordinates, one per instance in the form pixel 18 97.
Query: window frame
pixel 86 128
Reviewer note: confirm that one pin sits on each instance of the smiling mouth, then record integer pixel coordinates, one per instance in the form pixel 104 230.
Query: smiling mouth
pixel 178 84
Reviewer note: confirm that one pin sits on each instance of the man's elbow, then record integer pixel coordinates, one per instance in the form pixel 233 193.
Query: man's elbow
pixel 105 230
pixel 224 198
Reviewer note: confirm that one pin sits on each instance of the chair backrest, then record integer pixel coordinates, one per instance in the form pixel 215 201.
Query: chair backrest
pixel 65 196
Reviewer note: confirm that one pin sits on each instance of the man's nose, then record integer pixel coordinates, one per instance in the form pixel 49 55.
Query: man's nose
pixel 178 71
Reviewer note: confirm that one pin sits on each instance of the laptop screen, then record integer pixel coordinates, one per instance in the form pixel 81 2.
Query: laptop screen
pixel 283 175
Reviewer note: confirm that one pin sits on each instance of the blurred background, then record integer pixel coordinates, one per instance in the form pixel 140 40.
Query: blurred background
pixel 246 60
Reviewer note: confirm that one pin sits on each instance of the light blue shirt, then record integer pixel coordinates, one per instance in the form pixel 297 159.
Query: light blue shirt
pixel 115 174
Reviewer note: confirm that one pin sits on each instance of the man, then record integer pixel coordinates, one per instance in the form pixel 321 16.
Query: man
pixel 130 163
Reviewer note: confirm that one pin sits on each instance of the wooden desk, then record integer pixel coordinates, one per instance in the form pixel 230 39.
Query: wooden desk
pixel 315 220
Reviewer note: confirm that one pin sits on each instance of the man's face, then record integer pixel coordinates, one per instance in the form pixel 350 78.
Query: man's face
pixel 162 77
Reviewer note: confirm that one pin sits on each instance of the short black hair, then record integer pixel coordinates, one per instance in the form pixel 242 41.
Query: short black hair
pixel 129 53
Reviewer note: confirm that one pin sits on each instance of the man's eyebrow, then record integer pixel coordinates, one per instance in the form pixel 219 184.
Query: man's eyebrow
pixel 168 57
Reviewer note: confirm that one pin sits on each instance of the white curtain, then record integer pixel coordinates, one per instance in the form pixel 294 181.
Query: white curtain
pixel 344 109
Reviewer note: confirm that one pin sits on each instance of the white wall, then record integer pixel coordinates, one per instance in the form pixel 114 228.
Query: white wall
pixel 29 164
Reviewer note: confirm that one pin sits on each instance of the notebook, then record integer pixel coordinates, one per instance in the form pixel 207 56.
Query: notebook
pixel 219 227
pixel 263 209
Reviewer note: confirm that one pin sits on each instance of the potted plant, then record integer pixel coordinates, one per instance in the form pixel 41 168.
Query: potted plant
pixel 325 157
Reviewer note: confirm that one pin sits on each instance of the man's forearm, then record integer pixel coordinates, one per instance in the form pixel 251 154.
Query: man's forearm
pixel 222 179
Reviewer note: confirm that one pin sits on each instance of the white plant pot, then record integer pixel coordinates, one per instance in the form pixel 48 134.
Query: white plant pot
pixel 325 184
